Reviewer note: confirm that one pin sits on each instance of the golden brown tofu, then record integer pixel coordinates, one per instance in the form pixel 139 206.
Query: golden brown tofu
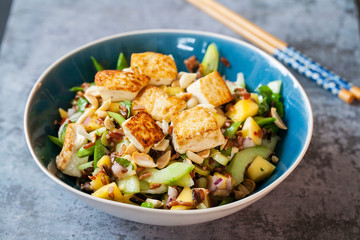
pixel 159 67
pixel 211 89
pixel 68 161
pixel 142 131
pixel 158 103
pixel 119 85
pixel 195 129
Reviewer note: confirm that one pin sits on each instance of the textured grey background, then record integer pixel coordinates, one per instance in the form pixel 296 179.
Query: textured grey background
pixel 319 200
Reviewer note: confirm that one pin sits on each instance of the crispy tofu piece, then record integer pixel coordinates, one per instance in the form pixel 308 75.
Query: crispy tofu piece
pixel 158 103
pixel 142 131
pixel 159 67
pixel 196 129
pixel 211 89
pixel 68 161
pixel 119 85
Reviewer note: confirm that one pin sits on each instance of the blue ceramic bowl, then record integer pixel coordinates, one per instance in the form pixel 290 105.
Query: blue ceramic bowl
pixel 51 91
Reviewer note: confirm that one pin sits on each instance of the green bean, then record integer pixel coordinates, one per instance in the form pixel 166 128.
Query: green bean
pixel 230 131
pixel 97 65
pixel 261 121
pixel 85 152
pixel 121 62
pixel 99 152
pixel 55 140
pixel 120 119
pixel 76 89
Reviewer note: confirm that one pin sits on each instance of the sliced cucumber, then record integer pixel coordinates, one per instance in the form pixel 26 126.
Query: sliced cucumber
pixel 210 61
pixel 129 185
pixel 184 181
pixel 241 159
pixel 220 158
pixel 240 80
pixel 270 144
pixel 170 174
pixel 275 86
pixel 145 188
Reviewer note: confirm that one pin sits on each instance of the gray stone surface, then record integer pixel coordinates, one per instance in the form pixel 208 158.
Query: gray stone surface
pixel 319 200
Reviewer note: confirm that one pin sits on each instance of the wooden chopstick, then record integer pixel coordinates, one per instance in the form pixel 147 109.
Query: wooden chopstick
pixel 280 50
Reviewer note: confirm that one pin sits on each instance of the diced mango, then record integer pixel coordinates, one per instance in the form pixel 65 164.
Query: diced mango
pixel 93 124
pixel 104 160
pixel 63 113
pixel 109 191
pixel 172 91
pixel 100 180
pixel 255 96
pixel 252 130
pixel 243 109
pixel 184 196
pixel 220 119
pixel 114 107
pixel 222 184
pixel 259 169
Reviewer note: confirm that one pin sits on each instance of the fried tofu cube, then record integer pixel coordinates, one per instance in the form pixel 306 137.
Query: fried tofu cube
pixel 158 103
pixel 142 131
pixel 68 161
pixel 159 67
pixel 196 129
pixel 119 85
pixel 211 89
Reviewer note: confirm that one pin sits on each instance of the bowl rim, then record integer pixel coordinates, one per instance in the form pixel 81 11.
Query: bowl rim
pixel 234 205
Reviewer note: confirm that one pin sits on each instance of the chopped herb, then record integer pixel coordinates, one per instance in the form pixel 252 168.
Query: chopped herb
pixel 271 127
pixel 121 62
pixel 123 162
pixel 230 131
pixel 147 205
pixel 128 105
pixel 97 65
pixel 76 89
pixel 262 169
pixel 270 99
pixel 92 84
pixel 183 156
pixel 82 102
pixel 55 140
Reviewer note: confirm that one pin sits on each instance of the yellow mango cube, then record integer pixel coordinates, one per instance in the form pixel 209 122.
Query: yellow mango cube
pixel 184 196
pixel 63 113
pixel 222 184
pixel 220 119
pixel 114 107
pixel 104 160
pixel 93 124
pixel 172 91
pixel 259 169
pixel 255 96
pixel 242 110
pixel 109 191
pixel 252 130
pixel 100 180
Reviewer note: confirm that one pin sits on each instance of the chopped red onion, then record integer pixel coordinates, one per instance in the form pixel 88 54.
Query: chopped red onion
pixel 248 142
pixel 217 182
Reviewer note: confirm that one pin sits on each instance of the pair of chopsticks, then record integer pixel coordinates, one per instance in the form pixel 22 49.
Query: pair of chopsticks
pixel 280 50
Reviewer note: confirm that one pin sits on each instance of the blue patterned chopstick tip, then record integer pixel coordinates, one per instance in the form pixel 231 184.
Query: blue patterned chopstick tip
pixel 309 72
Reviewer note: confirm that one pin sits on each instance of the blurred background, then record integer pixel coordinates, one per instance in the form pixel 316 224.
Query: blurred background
pixel 319 200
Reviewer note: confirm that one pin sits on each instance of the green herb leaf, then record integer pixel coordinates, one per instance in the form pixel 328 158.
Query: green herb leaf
pixel 76 89
pixel 123 162
pixel 121 62
pixel 128 105
pixel 271 127
pixel 99 152
pixel 230 131
pixel 262 169
pixel 97 65
pixel 183 156
pixel 82 102
pixel 55 140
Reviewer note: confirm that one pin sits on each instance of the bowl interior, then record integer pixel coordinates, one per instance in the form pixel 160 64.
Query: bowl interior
pixel 52 89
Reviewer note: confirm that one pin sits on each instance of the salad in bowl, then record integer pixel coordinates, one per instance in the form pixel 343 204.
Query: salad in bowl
pixel 148 135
